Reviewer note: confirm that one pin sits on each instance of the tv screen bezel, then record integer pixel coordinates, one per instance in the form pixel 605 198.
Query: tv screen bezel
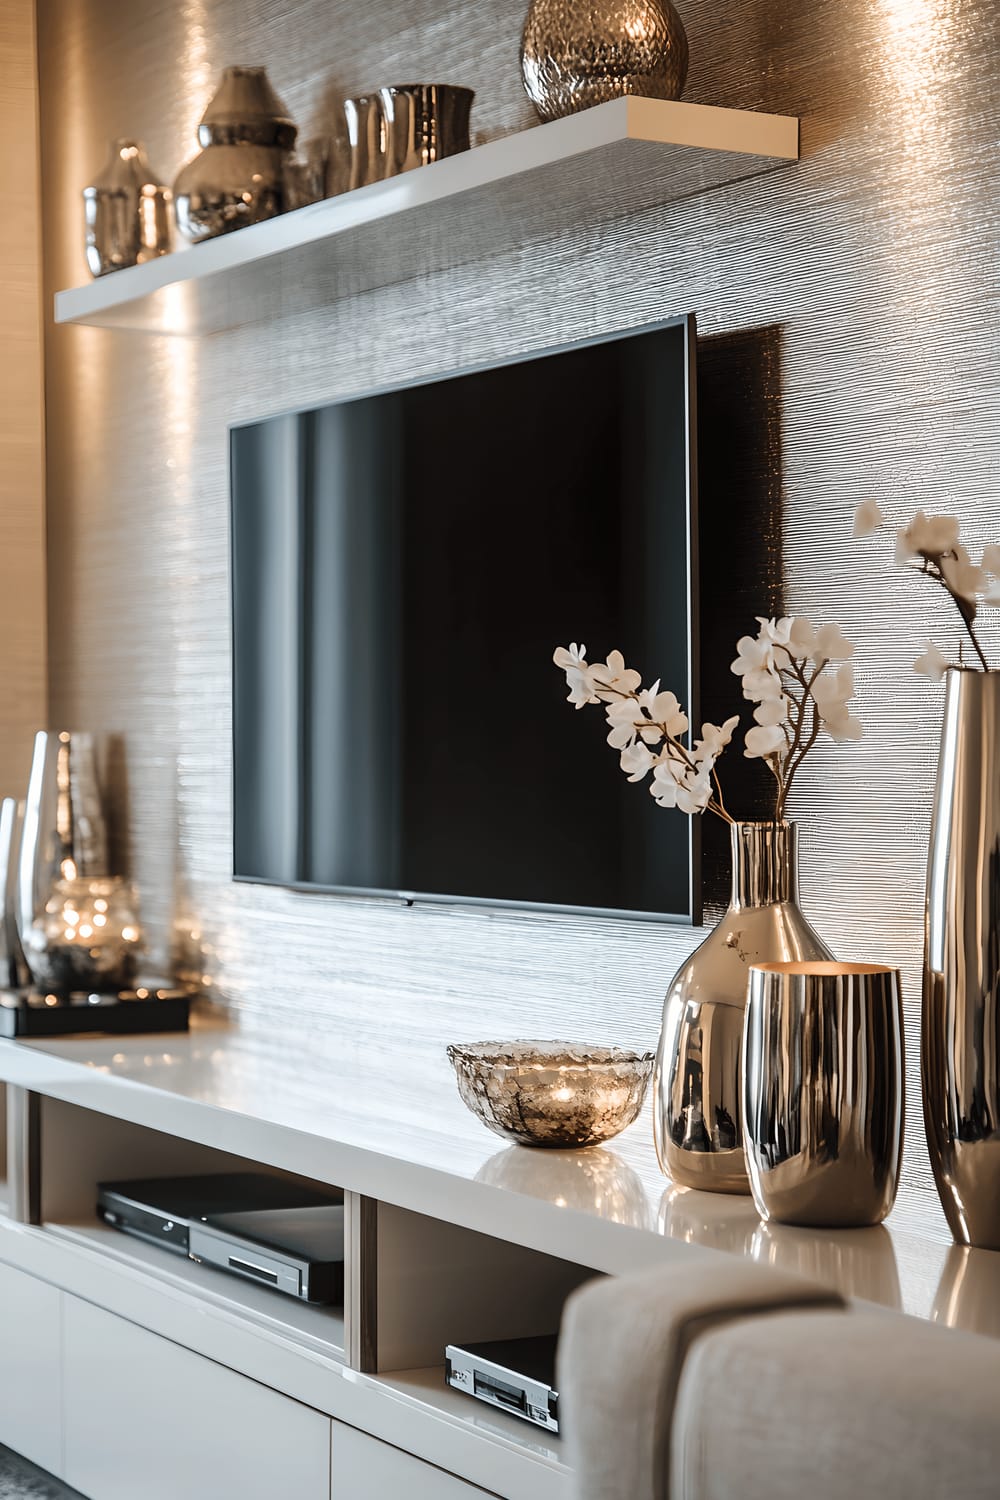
pixel 687 692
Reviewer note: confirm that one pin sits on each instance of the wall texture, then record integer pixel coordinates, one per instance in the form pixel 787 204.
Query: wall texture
pixel 22 444
pixel 849 310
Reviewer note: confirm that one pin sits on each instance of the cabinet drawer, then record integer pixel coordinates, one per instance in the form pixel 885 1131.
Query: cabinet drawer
pixel 364 1468
pixel 30 1386
pixel 146 1417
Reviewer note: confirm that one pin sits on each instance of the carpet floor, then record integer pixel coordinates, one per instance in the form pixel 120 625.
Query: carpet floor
pixel 20 1480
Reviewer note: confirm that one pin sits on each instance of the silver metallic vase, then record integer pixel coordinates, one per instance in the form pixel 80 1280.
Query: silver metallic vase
pixel 240 176
pixel 823 1092
pixel 424 123
pixel 573 55
pixel 78 925
pixel 960 1033
pixel 697 1104
pixel 126 212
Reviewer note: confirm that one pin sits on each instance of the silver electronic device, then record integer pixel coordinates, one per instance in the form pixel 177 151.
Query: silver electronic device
pixel 515 1375
pixel 298 1251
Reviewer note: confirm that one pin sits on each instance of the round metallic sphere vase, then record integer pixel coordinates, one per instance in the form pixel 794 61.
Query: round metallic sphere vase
pixel 823 1092
pixel 574 56
pixel 697 1101
pixel 241 175
pixel 552 1093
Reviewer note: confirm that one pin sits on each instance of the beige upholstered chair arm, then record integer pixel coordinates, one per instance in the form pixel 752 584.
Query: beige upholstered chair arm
pixel 622 1350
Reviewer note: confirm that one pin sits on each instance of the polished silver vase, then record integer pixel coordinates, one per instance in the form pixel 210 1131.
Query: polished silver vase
pixel 960 1032
pixel 241 175
pixel 697 1105
pixel 823 1092
pixel 126 212
pixel 424 123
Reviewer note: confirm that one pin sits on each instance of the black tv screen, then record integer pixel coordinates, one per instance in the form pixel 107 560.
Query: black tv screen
pixel 403 566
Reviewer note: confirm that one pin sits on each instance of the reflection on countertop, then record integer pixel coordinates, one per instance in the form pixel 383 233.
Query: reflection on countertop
pixel 968 1294
pixel 593 1181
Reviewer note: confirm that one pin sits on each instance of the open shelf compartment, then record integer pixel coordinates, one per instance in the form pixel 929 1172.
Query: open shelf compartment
pixel 80 1148
pixel 619 157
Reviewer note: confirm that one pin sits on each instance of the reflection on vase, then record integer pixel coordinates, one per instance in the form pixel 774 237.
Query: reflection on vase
pixel 13 971
pixel 968 1294
pixel 717 1221
pixel 594 1181
pixel 857 1262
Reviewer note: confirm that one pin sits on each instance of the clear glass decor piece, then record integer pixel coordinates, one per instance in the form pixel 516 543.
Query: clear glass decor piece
pixel 552 1093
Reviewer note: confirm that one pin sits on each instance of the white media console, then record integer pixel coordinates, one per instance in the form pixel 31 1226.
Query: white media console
pixel 129 1371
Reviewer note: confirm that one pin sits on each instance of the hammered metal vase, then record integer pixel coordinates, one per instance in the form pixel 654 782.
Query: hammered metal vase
pixel 823 1092
pixel 241 175
pixel 574 55
pixel 697 1093
pixel 960 1032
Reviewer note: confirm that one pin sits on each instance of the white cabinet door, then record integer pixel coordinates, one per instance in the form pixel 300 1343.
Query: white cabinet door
pixel 30 1386
pixel 366 1469
pixel 147 1418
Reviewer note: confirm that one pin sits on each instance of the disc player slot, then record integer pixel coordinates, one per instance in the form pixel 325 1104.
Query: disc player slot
pixel 499 1391
pixel 249 1269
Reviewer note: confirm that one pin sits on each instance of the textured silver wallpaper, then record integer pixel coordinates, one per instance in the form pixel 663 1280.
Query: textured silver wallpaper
pixel 849 310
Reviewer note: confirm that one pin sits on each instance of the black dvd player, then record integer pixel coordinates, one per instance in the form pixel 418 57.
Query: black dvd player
pixel 298 1251
pixel 161 1210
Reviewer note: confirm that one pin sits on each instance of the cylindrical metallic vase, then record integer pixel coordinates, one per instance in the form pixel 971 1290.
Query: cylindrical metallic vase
pixel 126 212
pixel 697 1104
pixel 13 972
pixel 366 141
pixel 574 56
pixel 823 1086
pixel 960 1034
pixel 425 122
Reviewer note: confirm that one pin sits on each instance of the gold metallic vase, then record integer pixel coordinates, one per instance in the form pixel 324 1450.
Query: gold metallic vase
pixel 697 1105
pixel 574 56
pixel 823 1092
pixel 960 1033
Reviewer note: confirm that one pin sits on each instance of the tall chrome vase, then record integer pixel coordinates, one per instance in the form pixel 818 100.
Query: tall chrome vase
pixel 960 1031
pixel 697 1089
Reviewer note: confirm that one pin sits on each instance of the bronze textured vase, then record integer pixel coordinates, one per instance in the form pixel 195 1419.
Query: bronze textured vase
pixel 573 55
pixel 697 1103
pixel 241 175
pixel 960 1031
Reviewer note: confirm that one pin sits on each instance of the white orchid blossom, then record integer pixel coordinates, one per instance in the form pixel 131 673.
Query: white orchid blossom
pixel 784 671
pixel 647 727
pixel 931 545
pixel 932 664
pixel 867 518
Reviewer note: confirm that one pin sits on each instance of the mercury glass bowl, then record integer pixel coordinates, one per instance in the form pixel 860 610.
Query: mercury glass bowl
pixel 552 1093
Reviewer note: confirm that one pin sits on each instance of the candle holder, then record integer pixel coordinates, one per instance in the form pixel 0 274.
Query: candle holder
pixel 86 936
pixel 823 1092
pixel 552 1093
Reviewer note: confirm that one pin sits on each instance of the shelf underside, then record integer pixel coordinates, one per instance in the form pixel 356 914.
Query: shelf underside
pixel 618 158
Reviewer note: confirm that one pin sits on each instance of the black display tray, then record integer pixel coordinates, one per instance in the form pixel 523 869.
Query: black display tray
pixel 147 1008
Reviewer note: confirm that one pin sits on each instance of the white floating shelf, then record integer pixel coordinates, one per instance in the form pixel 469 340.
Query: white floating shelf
pixel 618 157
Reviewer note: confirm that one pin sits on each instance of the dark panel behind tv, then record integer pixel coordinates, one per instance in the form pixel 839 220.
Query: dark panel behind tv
pixel 403 566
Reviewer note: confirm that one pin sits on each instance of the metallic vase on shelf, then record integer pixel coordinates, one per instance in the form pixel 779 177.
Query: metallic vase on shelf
pixel 823 1092
pixel 126 212
pixel 574 56
pixel 78 924
pixel 960 1032
pixel 424 122
pixel 13 970
pixel 240 177
pixel 697 1104
pixel 366 141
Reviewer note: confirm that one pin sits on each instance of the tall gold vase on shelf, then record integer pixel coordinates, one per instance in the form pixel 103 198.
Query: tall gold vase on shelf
pixel 697 1100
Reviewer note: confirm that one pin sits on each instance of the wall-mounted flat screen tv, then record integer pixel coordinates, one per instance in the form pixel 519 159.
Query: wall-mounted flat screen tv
pixel 403 566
